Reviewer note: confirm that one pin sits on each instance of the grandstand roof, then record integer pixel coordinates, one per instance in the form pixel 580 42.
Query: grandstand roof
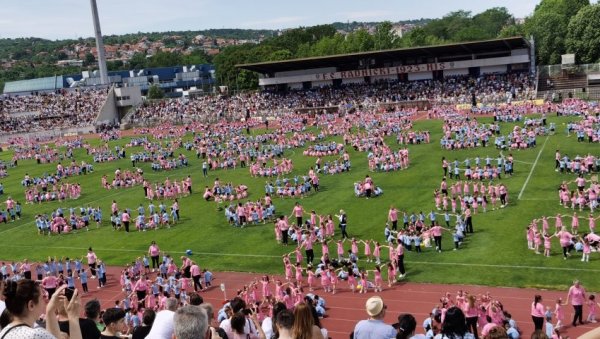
pixel 474 47
pixel 31 85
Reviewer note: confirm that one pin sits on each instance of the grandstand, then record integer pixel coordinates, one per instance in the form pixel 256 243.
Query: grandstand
pixel 406 64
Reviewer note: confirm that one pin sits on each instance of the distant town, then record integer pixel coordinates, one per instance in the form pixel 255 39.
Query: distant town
pixel 121 49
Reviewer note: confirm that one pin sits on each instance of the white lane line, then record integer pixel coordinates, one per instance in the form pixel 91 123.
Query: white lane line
pixel 532 169
pixel 545 268
pixel 137 250
pixel 505 266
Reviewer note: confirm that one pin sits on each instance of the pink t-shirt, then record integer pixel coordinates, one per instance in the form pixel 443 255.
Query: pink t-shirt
pixel 537 310
pixel 298 211
pixel 436 231
pixel 195 270
pixel 565 238
pixel 393 215
pixel 141 285
pixel 154 250
pixel 577 295
pixel 91 258
pixel 50 282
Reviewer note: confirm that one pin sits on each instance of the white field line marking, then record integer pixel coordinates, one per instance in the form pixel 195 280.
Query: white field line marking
pixel 523 162
pixel 279 257
pixel 538 199
pixel 532 169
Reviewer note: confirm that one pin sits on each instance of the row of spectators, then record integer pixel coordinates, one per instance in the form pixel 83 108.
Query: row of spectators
pixel 46 111
pixel 464 89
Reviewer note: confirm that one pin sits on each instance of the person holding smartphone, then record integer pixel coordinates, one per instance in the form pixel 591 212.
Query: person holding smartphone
pixel 243 323
pixel 88 327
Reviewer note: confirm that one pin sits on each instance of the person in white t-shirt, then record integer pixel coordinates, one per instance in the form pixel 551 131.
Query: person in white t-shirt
pixel 162 328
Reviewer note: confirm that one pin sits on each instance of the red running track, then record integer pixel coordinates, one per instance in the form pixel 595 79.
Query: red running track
pixel 344 308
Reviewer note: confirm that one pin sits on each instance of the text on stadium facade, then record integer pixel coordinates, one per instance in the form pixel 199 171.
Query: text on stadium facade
pixel 437 66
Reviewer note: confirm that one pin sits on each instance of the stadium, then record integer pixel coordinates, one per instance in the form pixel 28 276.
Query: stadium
pixel 407 173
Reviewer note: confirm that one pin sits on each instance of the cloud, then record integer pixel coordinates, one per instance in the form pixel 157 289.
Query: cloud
pixel 274 22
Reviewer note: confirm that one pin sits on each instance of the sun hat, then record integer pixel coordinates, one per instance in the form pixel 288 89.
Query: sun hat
pixel 374 306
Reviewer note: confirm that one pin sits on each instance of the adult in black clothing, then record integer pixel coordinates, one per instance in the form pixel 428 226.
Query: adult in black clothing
pixel 92 312
pixel 343 223
pixel 88 326
pixel 147 320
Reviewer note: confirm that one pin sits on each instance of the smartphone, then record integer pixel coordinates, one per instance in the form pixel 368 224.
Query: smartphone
pixel 69 293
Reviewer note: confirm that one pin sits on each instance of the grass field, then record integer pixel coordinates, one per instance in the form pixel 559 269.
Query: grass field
pixel 496 254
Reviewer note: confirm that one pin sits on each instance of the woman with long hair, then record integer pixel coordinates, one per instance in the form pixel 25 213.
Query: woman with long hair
pixel 304 323
pixel 472 314
pixel 454 325
pixel 24 301
pixel 537 312
pixel 406 326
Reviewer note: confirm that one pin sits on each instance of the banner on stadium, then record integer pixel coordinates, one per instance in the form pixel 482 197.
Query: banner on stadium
pixel 384 72
pixel 436 66
pixel 536 102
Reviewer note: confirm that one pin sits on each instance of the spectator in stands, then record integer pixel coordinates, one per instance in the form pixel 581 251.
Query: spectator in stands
pixel 284 323
pixel 196 299
pixel 191 322
pixel 496 332
pixel 269 324
pixel 454 325
pixel 215 331
pixel 374 327
pixel 238 325
pixel 148 319
pixel 162 328
pixel 406 327
pixel 114 320
pixel 92 312
pixel 87 326
pixel 304 323
pixel 23 300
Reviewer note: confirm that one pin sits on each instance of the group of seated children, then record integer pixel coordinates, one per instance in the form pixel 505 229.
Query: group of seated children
pixel 367 188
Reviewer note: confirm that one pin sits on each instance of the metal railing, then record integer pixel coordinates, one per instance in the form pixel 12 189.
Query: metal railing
pixel 556 70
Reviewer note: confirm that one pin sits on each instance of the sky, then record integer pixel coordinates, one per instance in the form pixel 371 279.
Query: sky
pixel 70 19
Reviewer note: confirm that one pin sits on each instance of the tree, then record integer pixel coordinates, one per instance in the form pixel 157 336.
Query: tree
pixel 549 30
pixel 359 41
pixel 512 30
pixel 384 37
pixel 197 57
pixel 548 25
pixel 138 61
pixel 282 54
pixel 416 37
pixel 583 34
pixel 89 59
pixel 114 65
pixel 155 92
pixel 165 59
pixel 492 21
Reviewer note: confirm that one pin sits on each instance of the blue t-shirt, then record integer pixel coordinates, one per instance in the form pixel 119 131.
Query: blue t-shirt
pixel 373 329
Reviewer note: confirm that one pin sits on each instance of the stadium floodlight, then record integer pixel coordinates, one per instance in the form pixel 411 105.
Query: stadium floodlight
pixel 99 44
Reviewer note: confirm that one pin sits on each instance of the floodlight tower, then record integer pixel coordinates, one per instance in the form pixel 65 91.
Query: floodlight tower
pixel 99 44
